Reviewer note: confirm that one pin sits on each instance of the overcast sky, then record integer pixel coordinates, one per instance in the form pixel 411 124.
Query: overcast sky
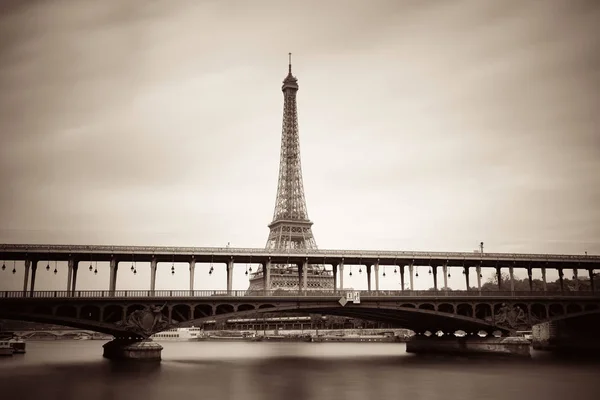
pixel 424 125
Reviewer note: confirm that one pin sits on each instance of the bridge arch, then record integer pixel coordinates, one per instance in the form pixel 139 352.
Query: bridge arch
pixel 446 308
pixel 417 319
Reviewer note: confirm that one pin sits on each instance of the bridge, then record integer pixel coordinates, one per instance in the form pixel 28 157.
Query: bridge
pixel 406 261
pixel 141 313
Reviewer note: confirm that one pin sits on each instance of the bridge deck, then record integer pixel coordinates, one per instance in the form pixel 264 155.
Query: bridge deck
pixel 262 294
pixel 261 255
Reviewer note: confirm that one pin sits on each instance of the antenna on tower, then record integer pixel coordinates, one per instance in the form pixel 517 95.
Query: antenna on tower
pixel 290 62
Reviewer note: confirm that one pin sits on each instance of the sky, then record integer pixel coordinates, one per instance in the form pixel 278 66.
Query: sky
pixel 424 125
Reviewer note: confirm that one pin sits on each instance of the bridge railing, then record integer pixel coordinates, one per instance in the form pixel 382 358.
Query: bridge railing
pixel 156 294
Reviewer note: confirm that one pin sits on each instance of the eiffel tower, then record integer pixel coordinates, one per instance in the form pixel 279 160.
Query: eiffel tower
pixel 291 228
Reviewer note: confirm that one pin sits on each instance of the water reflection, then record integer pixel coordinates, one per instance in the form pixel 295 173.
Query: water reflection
pixel 303 371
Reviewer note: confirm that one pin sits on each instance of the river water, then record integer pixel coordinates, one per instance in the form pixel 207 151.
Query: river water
pixel 75 370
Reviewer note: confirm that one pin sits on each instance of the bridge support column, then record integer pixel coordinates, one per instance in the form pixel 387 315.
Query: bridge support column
pixel 230 276
pixel 561 279
pixel 478 271
pixel 114 266
pixel 153 266
pixel 192 269
pixel 334 269
pixel 377 276
pixel 69 275
pixel 127 349
pixel 591 273
pixel 576 279
pixel 369 266
pixel 267 274
pixel 544 284
pixel 401 268
pixel 499 277
pixel 511 272
pixel 341 268
pixel 530 279
pixel 434 274
pixel 305 275
pixel 445 272
pixel 26 276
pixel 469 345
pixel 34 264
pixel 74 281
pixel 411 269
pixel 466 272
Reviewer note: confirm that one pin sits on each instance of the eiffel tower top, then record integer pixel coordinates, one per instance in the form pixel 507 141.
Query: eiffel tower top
pixel 290 82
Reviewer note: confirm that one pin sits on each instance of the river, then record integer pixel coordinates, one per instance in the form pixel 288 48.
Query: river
pixel 75 370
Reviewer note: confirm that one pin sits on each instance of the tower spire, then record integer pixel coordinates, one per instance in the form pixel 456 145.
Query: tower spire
pixel 290 63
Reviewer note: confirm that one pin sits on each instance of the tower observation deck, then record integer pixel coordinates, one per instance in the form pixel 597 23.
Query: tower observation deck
pixel 291 227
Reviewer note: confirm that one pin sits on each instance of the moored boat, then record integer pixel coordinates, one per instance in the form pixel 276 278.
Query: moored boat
pixel 178 335
pixel 5 348
pixel 18 345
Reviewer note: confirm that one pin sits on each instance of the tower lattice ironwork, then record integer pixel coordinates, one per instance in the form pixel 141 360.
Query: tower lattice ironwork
pixel 291 229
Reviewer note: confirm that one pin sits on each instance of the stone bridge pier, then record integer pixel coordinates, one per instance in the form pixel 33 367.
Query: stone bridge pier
pixel 577 335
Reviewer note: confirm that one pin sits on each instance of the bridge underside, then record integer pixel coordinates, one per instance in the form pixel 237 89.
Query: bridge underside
pixel 141 317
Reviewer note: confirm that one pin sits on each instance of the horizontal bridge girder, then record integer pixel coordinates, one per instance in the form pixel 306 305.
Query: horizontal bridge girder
pixel 246 255
pixel 275 295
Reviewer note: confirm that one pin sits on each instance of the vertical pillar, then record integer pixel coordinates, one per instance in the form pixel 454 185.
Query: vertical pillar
pixel 34 264
pixel 445 271
pixel 544 284
pixel 305 275
pixel 69 275
pixel 401 268
pixel 153 266
pixel 591 272
pixel 192 270
pixel 561 279
pixel 478 270
pixel 499 277
pixel 230 276
pixel 334 269
pixel 377 276
pixel 26 276
pixel 466 271
pixel 434 274
pixel 267 274
pixel 530 279
pixel 74 281
pixel 112 284
pixel 411 269
pixel 341 268
pixel 300 269
pixel 511 272
pixel 369 276
pixel 576 279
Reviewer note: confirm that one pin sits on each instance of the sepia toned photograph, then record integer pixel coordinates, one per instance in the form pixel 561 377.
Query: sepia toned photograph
pixel 310 200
